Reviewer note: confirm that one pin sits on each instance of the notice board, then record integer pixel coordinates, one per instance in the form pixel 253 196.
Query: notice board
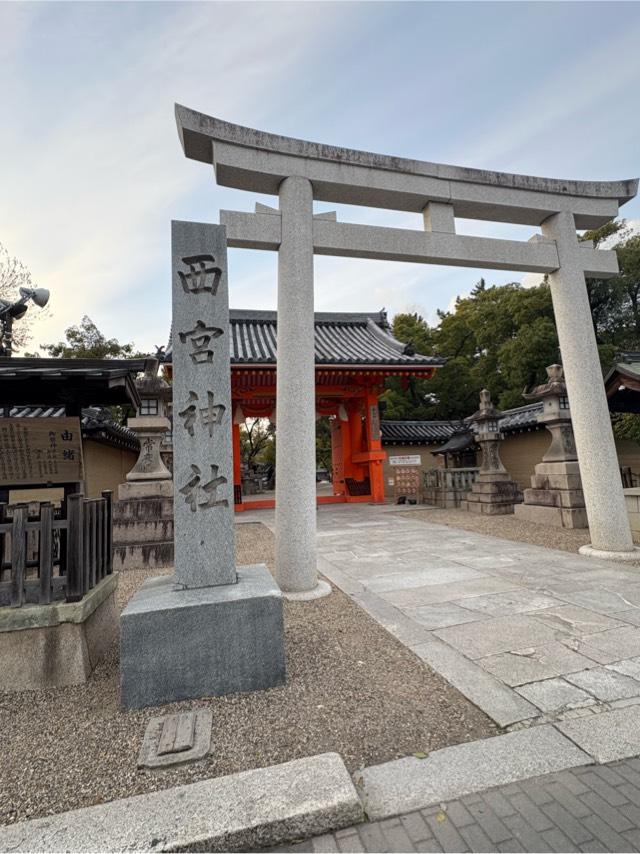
pixel 40 451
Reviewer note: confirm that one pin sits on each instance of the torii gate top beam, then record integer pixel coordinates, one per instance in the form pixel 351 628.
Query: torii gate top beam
pixel 253 160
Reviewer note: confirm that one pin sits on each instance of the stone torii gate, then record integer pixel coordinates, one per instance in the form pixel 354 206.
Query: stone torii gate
pixel 298 172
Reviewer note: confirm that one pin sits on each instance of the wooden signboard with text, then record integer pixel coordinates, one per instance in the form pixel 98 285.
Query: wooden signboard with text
pixel 40 451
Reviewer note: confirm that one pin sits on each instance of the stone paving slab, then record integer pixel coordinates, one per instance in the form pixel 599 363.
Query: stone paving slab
pixel 451 591
pixel 500 634
pixel 623 642
pixel 607 736
pixel 577 621
pixel 605 684
pixel 410 783
pixel 554 695
pixel 305 797
pixel 534 664
pixel 492 696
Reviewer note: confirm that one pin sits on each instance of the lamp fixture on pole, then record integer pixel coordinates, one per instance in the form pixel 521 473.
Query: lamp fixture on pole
pixel 10 311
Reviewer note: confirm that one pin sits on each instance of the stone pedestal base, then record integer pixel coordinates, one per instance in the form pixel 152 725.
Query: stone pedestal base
pixel 143 525
pixel 209 641
pixel 555 497
pixel 492 497
pixel 52 646
pixel 319 591
pixel 632 556
pixel 559 517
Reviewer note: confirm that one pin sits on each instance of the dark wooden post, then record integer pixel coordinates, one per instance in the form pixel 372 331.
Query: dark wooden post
pixel 18 554
pixel 3 540
pixel 99 540
pixel 45 548
pixel 75 548
pixel 108 539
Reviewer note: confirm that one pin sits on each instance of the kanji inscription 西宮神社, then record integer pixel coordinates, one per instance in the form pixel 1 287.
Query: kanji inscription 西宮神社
pixel 202 469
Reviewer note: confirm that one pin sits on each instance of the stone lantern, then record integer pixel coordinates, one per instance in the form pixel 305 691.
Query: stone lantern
pixel 149 474
pixel 493 492
pixel 556 496
pixel 143 514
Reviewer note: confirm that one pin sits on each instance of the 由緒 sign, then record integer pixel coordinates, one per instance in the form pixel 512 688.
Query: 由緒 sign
pixel 40 451
pixel 405 460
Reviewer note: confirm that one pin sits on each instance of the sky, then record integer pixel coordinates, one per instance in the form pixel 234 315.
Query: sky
pixel 92 171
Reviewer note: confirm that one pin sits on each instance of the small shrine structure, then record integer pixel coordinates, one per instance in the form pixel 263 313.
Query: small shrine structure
pixel 354 355
pixel 556 496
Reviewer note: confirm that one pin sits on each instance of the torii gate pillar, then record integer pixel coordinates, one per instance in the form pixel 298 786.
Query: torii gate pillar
pixel 599 468
pixel 296 571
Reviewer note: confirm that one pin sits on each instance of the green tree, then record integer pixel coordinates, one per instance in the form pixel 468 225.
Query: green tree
pixel 500 338
pixel 85 341
pixel 257 439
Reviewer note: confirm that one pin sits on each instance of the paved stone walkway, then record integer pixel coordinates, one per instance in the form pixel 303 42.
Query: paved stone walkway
pixel 547 643
pixel 530 635
pixel 596 808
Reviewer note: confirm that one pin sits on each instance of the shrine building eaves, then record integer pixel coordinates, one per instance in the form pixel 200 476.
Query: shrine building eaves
pixel 258 161
pixel 342 339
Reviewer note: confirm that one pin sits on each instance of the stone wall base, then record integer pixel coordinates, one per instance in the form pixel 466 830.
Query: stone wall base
pixel 559 517
pixel 52 646
pixel 632 500
pixel 492 497
pixel 556 497
pixel 202 642
pixel 487 509
pixel 143 528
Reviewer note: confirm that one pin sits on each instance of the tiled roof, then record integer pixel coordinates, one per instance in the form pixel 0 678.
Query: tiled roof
pixel 96 424
pixel 521 417
pixel 340 339
pixel 427 432
pixel 417 432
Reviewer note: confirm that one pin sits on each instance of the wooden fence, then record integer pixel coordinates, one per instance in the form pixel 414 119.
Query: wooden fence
pixel 46 556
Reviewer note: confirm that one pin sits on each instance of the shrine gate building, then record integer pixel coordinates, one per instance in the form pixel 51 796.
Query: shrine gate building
pixel 354 355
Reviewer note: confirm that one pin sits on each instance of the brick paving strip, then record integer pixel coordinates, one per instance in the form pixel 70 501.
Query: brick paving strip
pixel 592 808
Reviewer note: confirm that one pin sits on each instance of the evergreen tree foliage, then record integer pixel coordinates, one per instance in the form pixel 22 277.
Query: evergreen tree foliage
pixel 503 337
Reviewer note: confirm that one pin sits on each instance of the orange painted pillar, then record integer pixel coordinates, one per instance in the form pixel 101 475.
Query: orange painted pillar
pixel 374 444
pixel 338 437
pixel 355 435
pixel 237 467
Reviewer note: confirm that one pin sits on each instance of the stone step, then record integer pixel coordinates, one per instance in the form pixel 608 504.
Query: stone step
pixel 240 812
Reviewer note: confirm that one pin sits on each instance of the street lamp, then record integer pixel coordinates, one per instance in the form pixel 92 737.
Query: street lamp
pixel 10 311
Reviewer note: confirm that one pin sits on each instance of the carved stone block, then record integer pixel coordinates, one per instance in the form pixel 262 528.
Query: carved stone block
pixel 202 453
pixel 172 740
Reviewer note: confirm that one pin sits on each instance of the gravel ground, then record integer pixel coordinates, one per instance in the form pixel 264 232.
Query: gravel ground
pixel 506 527
pixel 351 688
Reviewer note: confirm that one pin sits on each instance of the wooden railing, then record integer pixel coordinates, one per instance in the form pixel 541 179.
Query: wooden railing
pixel 46 557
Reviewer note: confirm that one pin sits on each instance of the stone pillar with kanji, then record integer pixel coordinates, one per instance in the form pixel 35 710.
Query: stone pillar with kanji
pixel 212 628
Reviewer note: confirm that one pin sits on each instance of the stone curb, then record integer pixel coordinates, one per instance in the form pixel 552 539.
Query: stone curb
pixel 408 784
pixel 252 809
